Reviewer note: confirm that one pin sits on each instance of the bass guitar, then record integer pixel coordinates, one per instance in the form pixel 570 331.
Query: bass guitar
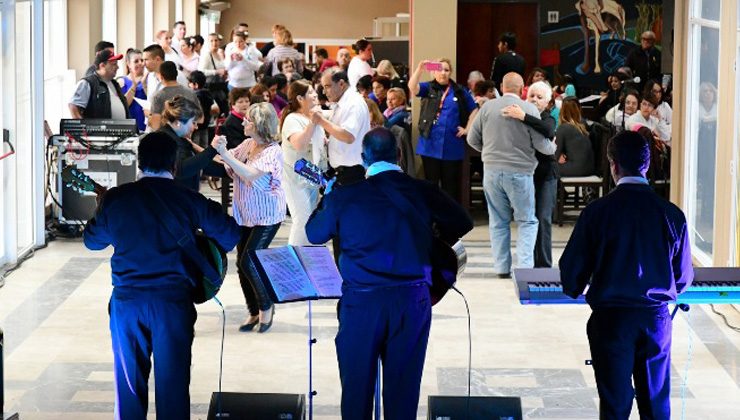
pixel 205 287
pixel 448 261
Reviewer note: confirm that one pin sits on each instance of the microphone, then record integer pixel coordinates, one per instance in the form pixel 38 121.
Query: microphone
pixel 635 79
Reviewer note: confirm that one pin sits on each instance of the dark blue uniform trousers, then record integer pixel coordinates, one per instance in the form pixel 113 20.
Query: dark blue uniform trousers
pixel 632 344
pixel 145 322
pixel 393 324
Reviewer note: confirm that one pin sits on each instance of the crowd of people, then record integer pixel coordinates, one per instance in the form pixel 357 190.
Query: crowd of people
pixel 250 114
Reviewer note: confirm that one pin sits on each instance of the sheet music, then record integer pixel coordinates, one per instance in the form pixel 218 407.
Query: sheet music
pixel 285 273
pixel 319 264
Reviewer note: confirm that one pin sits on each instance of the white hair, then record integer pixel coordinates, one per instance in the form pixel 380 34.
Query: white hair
pixel 475 75
pixel 543 87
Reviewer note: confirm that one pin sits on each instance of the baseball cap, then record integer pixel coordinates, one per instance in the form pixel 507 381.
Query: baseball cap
pixel 105 56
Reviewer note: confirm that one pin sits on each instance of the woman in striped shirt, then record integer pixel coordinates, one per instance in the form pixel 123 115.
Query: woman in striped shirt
pixel 256 166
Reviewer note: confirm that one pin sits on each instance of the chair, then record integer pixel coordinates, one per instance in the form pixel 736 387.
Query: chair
pixel 572 190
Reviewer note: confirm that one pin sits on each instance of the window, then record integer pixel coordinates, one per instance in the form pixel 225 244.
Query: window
pixel 701 121
pixel 148 22
pixel 110 21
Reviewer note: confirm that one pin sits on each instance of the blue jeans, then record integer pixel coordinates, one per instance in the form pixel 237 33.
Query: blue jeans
pixel 506 192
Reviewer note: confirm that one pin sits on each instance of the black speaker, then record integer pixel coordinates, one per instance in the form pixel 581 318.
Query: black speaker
pixel 457 408
pixel 243 406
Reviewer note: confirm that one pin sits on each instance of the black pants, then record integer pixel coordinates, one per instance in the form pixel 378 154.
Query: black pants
pixel 255 294
pixel 632 344
pixel 444 172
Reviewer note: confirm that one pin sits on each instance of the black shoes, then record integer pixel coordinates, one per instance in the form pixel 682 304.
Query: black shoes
pixel 265 327
pixel 248 326
pixel 504 275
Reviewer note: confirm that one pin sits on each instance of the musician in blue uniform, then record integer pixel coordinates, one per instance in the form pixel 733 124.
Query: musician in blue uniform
pixel 384 224
pixel 151 308
pixel 632 249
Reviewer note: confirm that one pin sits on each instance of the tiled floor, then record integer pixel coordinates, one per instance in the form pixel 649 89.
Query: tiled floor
pixel 58 361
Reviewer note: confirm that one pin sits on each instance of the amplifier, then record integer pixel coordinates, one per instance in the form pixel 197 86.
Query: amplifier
pixel 243 406
pixel 110 168
pixel 459 408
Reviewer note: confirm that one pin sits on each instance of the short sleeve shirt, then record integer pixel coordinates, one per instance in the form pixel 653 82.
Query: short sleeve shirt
pixel 260 202
pixel 169 92
pixel 82 96
pixel 443 142
pixel 351 113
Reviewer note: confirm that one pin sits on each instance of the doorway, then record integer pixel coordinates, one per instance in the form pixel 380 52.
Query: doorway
pixel 479 25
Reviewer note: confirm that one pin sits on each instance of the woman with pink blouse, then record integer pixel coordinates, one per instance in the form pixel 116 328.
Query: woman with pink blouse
pixel 256 166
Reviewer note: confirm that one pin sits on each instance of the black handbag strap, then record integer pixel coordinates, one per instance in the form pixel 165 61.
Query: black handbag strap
pixel 184 239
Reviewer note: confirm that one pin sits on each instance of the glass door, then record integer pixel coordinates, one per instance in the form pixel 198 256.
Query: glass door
pixel 24 120
pixel 21 211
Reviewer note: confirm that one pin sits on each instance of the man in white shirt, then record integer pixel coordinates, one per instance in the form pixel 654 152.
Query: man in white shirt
pixel 178 34
pixel 99 95
pixel 346 128
pixel 153 58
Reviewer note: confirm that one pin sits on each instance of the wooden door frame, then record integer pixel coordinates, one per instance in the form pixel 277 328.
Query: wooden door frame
pixel 514 2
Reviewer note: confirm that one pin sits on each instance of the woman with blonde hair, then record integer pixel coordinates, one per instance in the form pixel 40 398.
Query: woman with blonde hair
pixel 256 166
pixel 574 153
pixel 396 113
pixel 284 49
pixel 301 139
pixel 385 68
pixel 376 117
pixel 446 110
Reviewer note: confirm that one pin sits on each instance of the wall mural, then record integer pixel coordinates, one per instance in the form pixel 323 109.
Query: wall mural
pixel 593 39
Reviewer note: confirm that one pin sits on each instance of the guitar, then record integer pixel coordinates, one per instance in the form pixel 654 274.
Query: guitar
pixel 81 182
pixel 205 288
pixel 448 261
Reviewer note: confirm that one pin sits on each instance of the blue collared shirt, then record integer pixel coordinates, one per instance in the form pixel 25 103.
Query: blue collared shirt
pixel 443 142
pixel 381 166
pixel 633 180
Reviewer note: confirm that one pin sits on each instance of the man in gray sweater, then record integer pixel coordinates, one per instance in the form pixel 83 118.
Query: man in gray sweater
pixel 507 149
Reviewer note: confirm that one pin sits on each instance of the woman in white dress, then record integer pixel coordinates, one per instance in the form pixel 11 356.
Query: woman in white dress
pixel 301 138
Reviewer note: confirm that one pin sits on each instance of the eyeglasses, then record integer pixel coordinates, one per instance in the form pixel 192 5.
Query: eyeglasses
pixel 657 90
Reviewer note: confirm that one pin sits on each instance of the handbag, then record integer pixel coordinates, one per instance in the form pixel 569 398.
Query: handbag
pixel 204 252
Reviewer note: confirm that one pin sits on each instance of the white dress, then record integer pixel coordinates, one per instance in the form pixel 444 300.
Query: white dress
pixel 302 196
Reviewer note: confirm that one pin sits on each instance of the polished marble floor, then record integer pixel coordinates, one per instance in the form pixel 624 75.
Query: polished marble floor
pixel 58 357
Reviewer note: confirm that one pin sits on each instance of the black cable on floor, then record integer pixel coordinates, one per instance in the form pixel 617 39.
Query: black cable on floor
pixel 724 318
pixel 221 356
pixel 18 263
pixel 470 350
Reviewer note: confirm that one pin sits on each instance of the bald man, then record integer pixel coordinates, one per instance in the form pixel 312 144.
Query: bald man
pixel 645 61
pixel 507 149
pixel 343 58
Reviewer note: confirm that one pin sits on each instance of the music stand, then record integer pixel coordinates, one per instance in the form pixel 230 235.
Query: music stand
pixel 318 265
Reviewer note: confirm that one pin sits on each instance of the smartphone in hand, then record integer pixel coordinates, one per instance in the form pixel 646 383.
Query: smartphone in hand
pixel 433 66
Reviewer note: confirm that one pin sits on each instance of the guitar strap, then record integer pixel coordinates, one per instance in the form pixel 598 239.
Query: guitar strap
pixel 181 237
pixel 400 201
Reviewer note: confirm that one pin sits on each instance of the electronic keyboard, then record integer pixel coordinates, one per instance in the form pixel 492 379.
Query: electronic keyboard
pixel 538 286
